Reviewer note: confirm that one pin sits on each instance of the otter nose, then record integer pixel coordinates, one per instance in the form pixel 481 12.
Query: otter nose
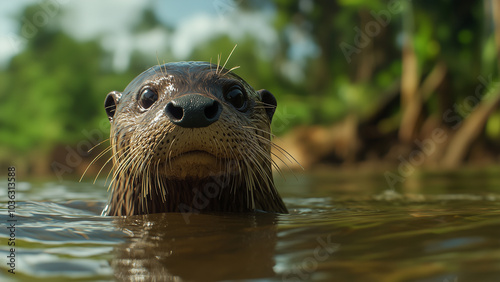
pixel 193 111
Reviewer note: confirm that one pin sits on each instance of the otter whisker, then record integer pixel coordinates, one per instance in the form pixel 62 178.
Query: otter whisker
pixel 218 159
pixel 124 165
pixel 260 130
pixel 115 156
pixel 235 45
pixel 96 158
pixel 163 189
pixel 259 155
pixel 93 161
pixel 169 160
pixel 233 156
pixel 160 142
pixel 264 105
pixel 218 64
pixel 147 187
pixel 249 185
pixel 104 165
pixel 164 73
pixel 287 155
pixel 265 155
pixel 231 69
pixel 95 146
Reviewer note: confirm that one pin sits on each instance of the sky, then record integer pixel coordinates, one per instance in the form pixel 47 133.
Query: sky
pixel 195 21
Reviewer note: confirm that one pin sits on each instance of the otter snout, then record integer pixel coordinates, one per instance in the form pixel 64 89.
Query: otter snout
pixel 193 110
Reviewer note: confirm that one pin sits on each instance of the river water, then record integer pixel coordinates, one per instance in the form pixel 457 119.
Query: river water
pixel 342 226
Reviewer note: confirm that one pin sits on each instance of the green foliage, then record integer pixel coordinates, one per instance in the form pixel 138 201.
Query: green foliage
pixel 52 90
pixel 55 87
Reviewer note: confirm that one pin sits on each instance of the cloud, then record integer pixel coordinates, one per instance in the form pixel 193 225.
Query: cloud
pixel 195 23
pixel 199 28
pixel 9 41
pixel 86 19
pixel 122 44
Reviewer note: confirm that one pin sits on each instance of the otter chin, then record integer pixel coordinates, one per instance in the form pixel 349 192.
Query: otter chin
pixel 191 137
pixel 193 164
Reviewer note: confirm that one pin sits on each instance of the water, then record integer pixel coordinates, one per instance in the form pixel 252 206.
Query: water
pixel 341 227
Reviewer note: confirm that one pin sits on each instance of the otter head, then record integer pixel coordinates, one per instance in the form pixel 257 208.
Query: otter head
pixel 191 130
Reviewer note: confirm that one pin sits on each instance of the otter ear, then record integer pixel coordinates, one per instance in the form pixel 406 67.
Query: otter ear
pixel 269 102
pixel 110 103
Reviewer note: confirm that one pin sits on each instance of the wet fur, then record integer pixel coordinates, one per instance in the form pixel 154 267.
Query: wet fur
pixel 144 145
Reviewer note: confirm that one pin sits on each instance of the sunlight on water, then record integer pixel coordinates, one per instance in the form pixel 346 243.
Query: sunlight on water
pixel 341 227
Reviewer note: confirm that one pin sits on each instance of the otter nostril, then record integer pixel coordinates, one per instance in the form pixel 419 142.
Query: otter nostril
pixel 193 110
pixel 212 111
pixel 174 112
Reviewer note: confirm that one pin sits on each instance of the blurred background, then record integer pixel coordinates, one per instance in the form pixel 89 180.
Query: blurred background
pixel 360 84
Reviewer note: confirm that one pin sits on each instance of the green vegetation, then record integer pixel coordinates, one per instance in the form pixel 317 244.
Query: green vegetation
pixel 400 68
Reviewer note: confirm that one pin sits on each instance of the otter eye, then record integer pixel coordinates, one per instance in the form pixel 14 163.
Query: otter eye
pixel 147 98
pixel 236 97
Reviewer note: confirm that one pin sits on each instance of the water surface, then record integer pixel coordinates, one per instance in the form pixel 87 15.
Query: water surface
pixel 342 226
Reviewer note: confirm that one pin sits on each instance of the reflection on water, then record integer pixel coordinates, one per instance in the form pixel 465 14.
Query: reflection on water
pixel 211 247
pixel 341 227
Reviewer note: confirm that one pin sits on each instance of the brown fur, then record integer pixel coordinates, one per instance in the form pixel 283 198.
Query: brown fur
pixel 162 167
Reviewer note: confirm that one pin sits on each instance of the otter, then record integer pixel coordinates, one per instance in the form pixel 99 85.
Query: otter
pixel 191 137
